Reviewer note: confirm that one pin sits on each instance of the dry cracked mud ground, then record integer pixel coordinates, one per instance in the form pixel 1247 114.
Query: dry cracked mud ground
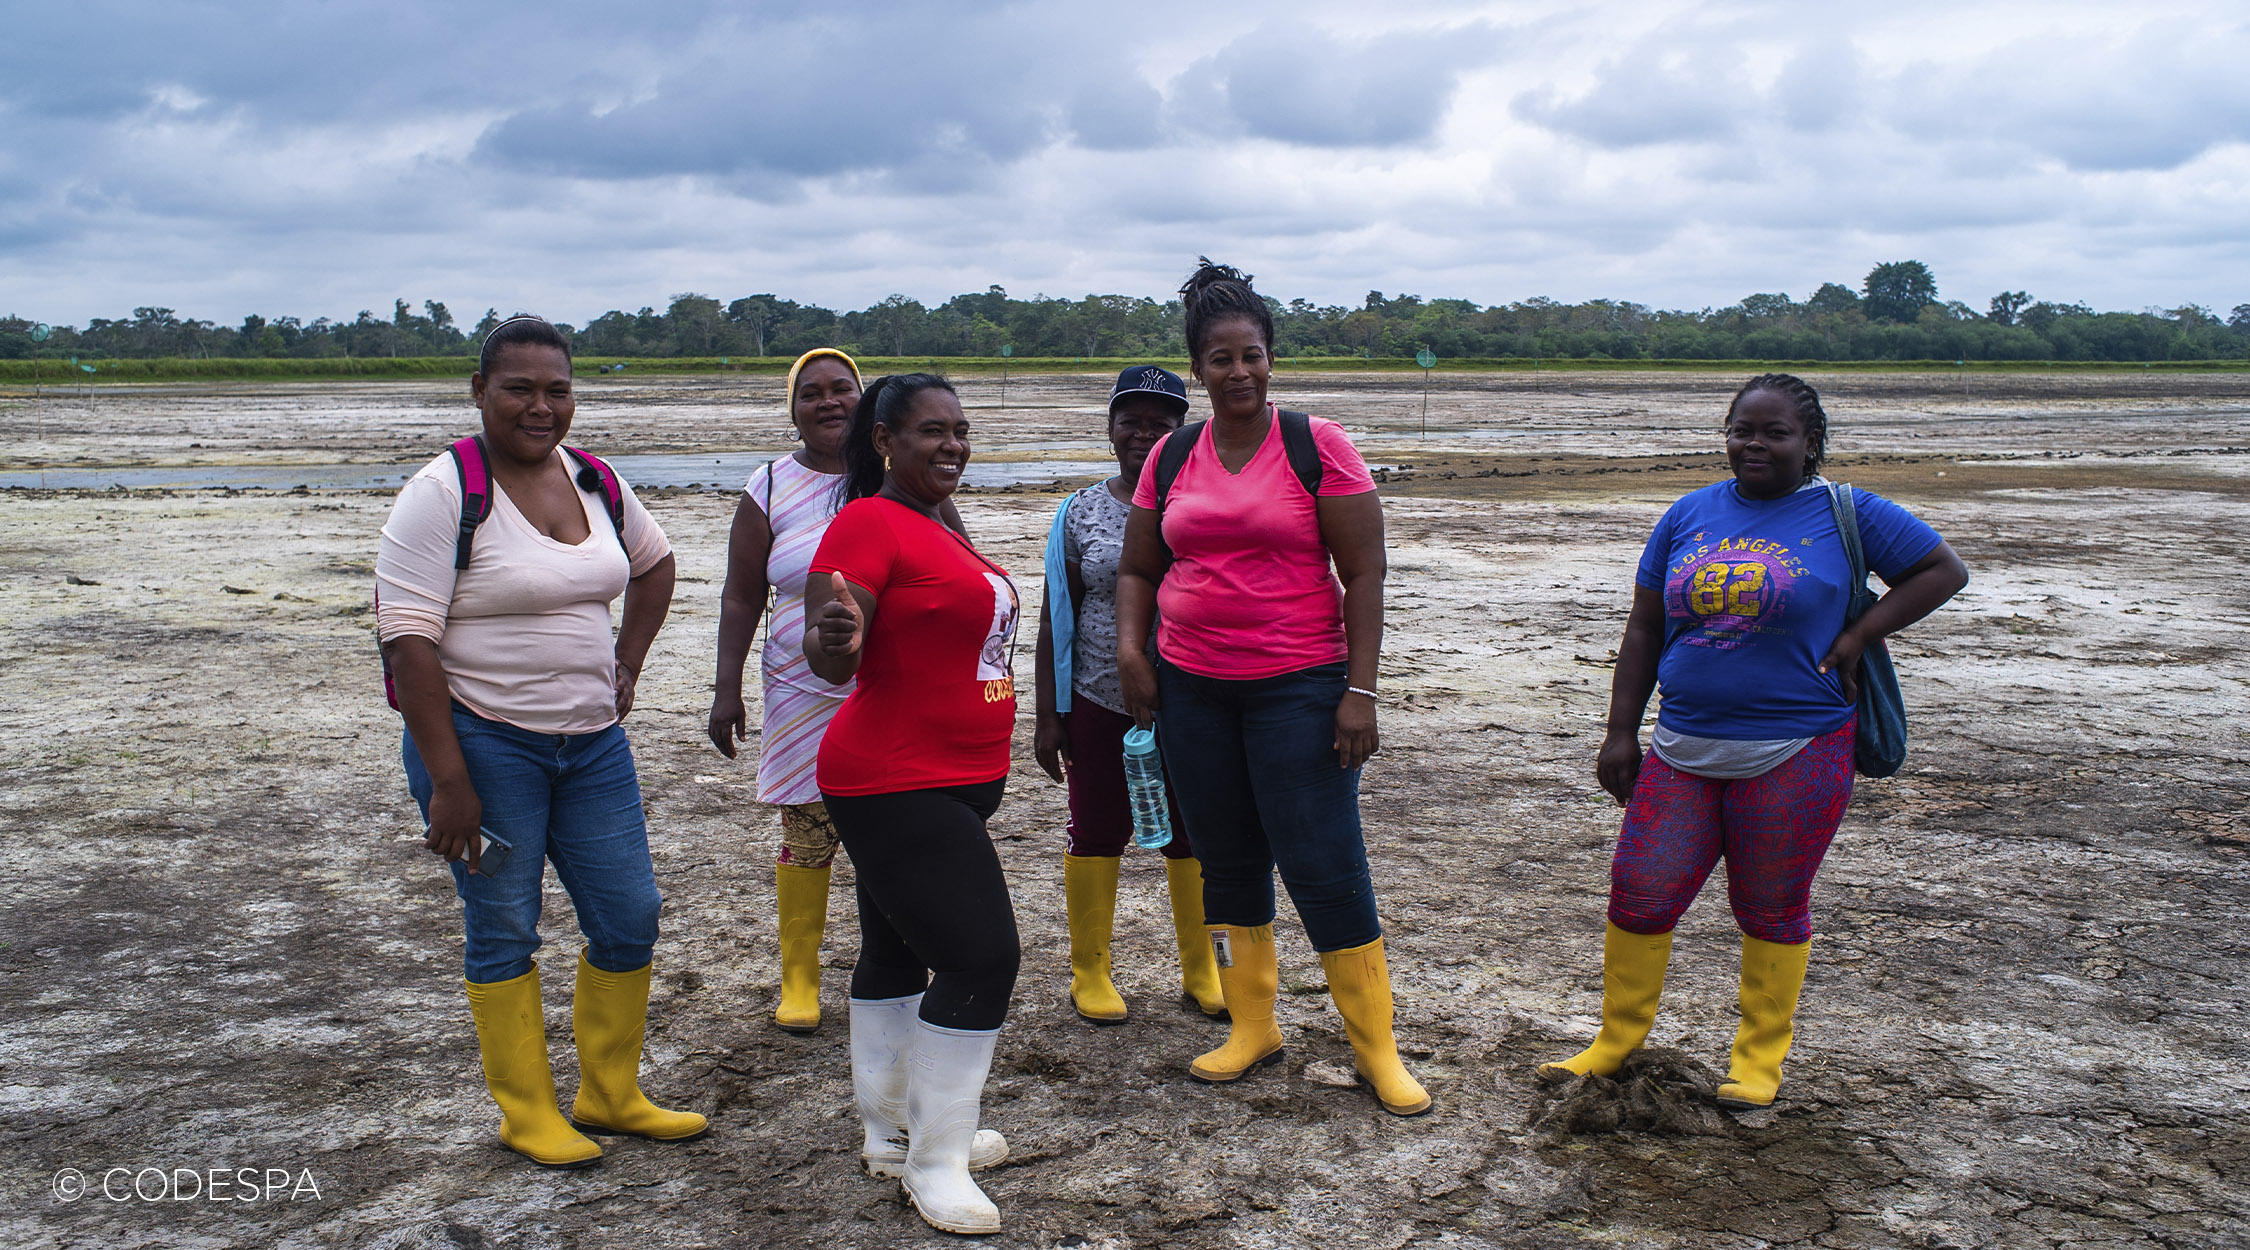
pixel 220 947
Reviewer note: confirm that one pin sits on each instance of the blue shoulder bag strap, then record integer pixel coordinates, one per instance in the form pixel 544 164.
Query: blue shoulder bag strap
pixel 1847 529
pixel 1880 748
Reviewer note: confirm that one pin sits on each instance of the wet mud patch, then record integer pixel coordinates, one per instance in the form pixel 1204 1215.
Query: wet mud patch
pixel 1650 1145
pixel 1658 1090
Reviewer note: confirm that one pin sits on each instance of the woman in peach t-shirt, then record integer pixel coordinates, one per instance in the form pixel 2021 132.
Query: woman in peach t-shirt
pixel 1270 588
pixel 513 689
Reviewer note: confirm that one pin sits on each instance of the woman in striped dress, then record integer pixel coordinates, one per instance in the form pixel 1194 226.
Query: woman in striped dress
pixel 785 509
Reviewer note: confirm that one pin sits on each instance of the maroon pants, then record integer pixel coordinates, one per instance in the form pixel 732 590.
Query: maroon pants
pixel 1101 821
pixel 1772 830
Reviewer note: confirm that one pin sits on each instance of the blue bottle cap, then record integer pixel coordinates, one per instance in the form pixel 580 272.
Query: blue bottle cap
pixel 1139 741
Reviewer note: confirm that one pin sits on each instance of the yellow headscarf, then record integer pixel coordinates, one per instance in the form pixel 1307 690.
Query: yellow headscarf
pixel 789 396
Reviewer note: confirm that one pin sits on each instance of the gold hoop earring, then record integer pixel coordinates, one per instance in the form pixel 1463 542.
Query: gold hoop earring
pixel 886 462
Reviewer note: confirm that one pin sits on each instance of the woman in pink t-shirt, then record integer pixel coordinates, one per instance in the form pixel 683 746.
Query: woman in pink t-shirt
pixel 1262 551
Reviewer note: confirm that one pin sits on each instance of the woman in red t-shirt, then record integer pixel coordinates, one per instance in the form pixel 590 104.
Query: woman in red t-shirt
pixel 910 769
pixel 1269 578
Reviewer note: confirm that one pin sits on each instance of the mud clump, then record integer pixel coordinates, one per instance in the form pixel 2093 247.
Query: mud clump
pixel 1660 1090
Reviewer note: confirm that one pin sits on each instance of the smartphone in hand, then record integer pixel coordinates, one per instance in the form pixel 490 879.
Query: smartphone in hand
pixel 495 854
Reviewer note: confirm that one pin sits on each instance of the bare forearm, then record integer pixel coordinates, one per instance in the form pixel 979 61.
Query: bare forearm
pixel 1136 612
pixel 648 600
pixel 738 629
pixel 1363 629
pixel 743 599
pixel 1921 592
pixel 427 706
pixel 1043 668
pixel 1634 679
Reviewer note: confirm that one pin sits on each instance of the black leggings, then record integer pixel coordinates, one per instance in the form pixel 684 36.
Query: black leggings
pixel 934 911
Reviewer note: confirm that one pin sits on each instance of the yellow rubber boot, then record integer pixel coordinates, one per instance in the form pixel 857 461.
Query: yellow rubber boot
pixel 1633 967
pixel 1359 980
pixel 1199 969
pixel 610 1017
pixel 1090 895
pixel 512 1034
pixel 801 896
pixel 1250 980
pixel 1773 975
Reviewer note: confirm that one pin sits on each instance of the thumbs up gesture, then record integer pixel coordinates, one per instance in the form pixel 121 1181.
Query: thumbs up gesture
pixel 839 627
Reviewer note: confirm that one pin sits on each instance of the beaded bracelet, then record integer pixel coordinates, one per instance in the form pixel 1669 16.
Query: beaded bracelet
pixel 1356 690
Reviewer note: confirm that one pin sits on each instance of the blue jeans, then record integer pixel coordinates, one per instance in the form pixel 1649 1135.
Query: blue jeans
pixel 571 798
pixel 1254 763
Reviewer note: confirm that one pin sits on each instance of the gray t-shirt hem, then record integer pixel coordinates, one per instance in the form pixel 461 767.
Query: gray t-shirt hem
pixel 1723 759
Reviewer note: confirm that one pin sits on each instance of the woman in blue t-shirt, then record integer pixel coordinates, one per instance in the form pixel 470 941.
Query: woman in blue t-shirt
pixel 1738 617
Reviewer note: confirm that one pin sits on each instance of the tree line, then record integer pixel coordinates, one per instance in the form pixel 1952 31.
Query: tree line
pixel 1895 313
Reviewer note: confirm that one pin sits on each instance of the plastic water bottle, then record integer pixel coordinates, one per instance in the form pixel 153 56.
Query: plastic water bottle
pixel 1144 789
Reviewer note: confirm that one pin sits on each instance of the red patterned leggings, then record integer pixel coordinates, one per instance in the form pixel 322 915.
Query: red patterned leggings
pixel 1772 830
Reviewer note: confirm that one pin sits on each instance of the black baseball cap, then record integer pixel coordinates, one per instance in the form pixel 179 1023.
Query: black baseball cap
pixel 1149 380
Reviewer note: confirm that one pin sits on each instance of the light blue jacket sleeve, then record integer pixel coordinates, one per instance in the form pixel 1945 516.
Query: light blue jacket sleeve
pixel 1061 614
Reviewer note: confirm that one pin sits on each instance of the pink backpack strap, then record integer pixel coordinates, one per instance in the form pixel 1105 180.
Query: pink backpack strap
pixel 476 494
pixel 595 474
pixel 470 462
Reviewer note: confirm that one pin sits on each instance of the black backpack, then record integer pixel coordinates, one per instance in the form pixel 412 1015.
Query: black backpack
pixel 1296 443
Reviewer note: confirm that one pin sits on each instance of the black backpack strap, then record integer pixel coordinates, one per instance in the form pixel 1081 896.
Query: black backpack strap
pixel 1172 459
pixel 1296 443
pixel 1304 454
pixel 473 463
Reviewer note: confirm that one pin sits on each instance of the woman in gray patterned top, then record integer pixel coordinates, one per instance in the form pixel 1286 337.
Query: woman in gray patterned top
pixel 1081 710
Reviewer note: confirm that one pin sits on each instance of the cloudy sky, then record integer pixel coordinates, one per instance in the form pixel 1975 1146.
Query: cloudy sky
pixel 317 159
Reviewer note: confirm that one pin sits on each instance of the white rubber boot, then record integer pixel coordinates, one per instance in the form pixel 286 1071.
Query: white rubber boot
pixel 882 1043
pixel 945 1084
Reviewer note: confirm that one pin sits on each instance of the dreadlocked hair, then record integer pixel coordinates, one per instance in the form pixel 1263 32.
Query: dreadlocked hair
pixel 521 330
pixel 885 402
pixel 1804 401
pixel 1214 293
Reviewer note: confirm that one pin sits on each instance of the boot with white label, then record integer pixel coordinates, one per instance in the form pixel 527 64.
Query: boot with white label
pixel 1250 979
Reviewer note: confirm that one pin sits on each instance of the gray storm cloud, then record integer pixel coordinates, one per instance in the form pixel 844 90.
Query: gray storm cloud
pixel 231 159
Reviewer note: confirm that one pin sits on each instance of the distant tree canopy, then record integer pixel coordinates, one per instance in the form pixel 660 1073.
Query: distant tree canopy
pixel 1895 314
pixel 1898 291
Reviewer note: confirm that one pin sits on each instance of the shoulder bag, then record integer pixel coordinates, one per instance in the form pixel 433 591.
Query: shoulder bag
pixel 1881 747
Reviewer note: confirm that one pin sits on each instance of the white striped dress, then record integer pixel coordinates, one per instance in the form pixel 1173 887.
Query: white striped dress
pixel 798 704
